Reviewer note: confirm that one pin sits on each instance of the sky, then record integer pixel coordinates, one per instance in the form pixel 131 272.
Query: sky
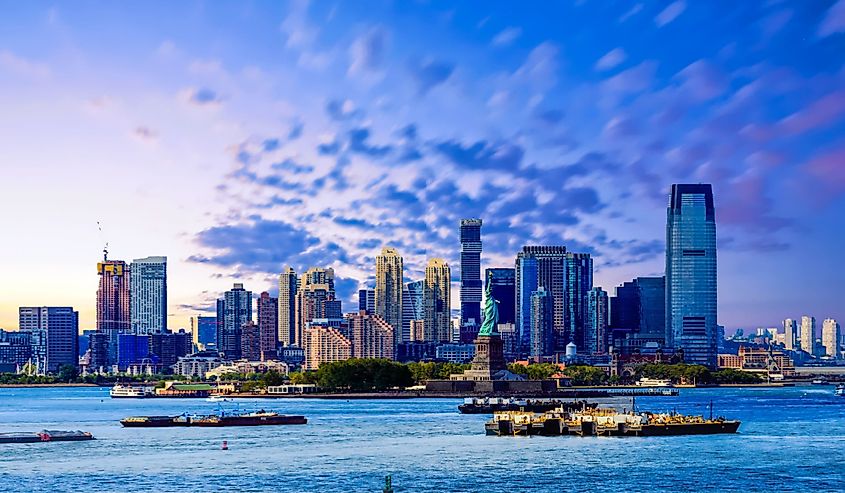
pixel 239 137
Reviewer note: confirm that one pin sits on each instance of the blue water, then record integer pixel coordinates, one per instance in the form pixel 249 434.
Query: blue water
pixel 792 439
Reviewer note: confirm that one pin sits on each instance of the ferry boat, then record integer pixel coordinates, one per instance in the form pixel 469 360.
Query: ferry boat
pixel 605 422
pixel 490 405
pixel 839 390
pixel 120 391
pixel 45 436
pixel 259 418
pixel 654 382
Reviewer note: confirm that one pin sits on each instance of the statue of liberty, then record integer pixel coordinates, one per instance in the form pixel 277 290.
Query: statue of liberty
pixel 491 311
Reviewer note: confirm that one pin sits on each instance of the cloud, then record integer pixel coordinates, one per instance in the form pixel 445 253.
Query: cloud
pixel 430 73
pixel 821 113
pixel 506 37
pixel 834 20
pixel 634 10
pixel 611 59
pixel 368 51
pixel 828 171
pixel 358 143
pixel 342 109
pixel 202 96
pixel 702 80
pixel 631 81
pixel 145 134
pixel 481 154
pixel 670 13
pixel 9 62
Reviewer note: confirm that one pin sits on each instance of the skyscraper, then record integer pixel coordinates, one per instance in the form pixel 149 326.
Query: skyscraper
pixel 389 283
pixel 54 332
pixel 790 334
pixel 542 333
pixel 413 306
pixel 113 315
pixel 808 334
pixel 372 336
pixel 470 272
pixel 315 291
pixel 367 301
pixel 503 288
pixel 287 306
pixel 579 282
pixel 206 331
pixel 148 295
pixel 233 311
pixel 250 341
pixel 268 325
pixel 538 266
pixel 596 321
pixel 831 337
pixel 638 313
pixel 438 283
pixel 691 273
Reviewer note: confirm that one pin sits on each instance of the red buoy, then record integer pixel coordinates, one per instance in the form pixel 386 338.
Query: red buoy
pixel 225 445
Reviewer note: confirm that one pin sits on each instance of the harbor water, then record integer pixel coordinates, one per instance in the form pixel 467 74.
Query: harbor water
pixel 791 439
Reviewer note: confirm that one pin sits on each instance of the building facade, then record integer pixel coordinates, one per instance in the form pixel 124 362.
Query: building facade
pixel 790 334
pixel 413 306
pixel 691 315
pixel 388 292
pixel 372 336
pixel 54 332
pixel 206 331
pixel 579 282
pixel 313 297
pixel 15 350
pixel 542 328
pixel 233 311
pixel 540 266
pixel 367 301
pixel 148 295
pixel 470 236
pixel 250 341
pixel 113 303
pixel 437 324
pixel 288 284
pixel 638 315
pixel 597 320
pixel 502 283
pixel 268 325
pixel 808 334
pixel 831 338
pixel 325 345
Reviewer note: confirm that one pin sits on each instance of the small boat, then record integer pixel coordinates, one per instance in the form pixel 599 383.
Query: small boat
pixel 120 391
pixel 219 398
pixel 819 381
pixel 45 436
pixel 840 390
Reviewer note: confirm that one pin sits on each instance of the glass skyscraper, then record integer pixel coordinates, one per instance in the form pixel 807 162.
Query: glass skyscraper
pixel 538 266
pixel 691 273
pixel 471 271
pixel 503 287
pixel 579 282
pixel 233 311
pixel 148 295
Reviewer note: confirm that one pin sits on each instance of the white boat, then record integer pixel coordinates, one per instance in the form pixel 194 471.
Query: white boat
pixel 219 398
pixel 653 382
pixel 130 391
pixel 840 390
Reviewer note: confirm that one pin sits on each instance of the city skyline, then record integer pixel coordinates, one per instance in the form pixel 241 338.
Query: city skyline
pixel 274 145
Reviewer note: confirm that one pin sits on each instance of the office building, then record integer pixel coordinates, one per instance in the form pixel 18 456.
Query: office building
pixel 250 341
pixel 437 324
pixel 288 285
pixel 831 338
pixel 790 334
pixel 367 301
pixel 206 328
pixel 98 352
pixel 316 288
pixel 325 345
pixel 691 315
pixel 808 334
pixel 638 315
pixel 268 325
pixel 579 282
pixel 540 266
pixel 233 311
pixel 132 349
pixel 148 295
pixel 15 350
pixel 542 330
pixel 596 322
pixel 503 288
pixel 470 236
pixel 372 336
pixel 388 292
pixel 413 306
pixel 167 347
pixel 54 332
pixel 455 353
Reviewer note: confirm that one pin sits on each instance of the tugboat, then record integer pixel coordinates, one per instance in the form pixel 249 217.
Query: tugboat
pixel 840 390
pixel 259 418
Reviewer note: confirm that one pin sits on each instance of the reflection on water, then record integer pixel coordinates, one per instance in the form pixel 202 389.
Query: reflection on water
pixel 424 443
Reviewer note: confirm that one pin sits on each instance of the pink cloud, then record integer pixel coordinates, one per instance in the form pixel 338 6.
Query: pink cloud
pixel 819 114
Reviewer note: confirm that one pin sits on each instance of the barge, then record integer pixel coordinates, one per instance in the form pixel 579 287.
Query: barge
pixel 46 436
pixel 605 422
pixel 490 405
pixel 260 418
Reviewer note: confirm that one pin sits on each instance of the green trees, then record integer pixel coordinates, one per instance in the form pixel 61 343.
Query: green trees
pixel 364 374
pixel 583 375
pixel 67 373
pixel 423 371
pixel 534 371
pixel 696 374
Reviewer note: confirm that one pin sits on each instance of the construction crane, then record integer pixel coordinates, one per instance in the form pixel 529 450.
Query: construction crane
pixel 102 240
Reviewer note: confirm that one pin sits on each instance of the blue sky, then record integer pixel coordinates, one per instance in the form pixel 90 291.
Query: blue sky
pixel 237 137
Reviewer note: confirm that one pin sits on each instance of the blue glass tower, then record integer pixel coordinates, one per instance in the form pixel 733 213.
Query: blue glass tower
pixel 691 273
pixel 471 272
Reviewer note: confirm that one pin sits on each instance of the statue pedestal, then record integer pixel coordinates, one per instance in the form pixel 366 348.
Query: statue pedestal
pixel 488 361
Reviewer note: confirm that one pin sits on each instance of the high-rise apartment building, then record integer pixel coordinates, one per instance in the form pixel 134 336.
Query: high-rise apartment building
pixel 325 345
pixel 288 285
pixel 579 282
pixel 250 341
pixel 367 301
pixel 470 235
pixel 503 288
pixel 790 334
pixel 691 315
pixel 831 338
pixel 54 333
pixel 315 299
pixel 372 336
pixel 596 322
pixel 542 333
pixel 808 334
pixel 438 285
pixel 148 295
pixel 388 296
pixel 113 310
pixel 540 266
pixel 233 311
pixel 268 325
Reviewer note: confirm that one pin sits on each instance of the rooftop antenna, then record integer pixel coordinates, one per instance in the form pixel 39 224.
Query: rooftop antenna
pixel 106 247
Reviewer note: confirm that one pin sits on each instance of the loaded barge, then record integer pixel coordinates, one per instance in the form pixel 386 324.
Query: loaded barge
pixel 490 405
pixel 604 422
pixel 260 418
pixel 45 436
